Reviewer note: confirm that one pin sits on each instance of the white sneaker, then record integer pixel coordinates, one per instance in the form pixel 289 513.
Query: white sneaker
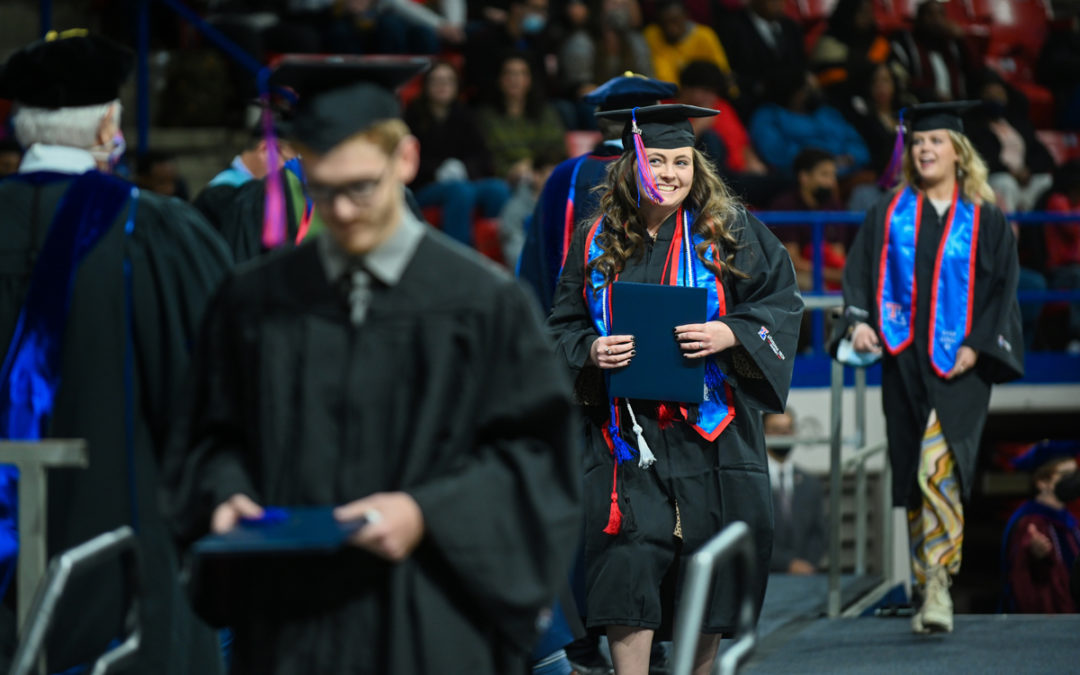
pixel 937 609
pixel 917 624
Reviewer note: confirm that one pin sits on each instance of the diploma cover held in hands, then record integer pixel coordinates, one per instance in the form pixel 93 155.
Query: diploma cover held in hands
pixel 297 529
pixel 658 371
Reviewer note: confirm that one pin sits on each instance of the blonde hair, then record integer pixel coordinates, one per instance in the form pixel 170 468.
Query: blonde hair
pixel 971 171
pixel 624 230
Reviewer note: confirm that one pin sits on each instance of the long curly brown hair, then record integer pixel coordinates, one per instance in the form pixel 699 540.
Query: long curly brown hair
pixel 624 231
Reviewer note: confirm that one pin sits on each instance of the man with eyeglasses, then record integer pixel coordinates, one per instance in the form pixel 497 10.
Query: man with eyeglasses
pixel 383 369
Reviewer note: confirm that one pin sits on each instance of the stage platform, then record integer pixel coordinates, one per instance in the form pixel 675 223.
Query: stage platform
pixel 980 643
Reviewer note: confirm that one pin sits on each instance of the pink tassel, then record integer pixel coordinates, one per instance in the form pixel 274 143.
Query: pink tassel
pixel 645 177
pixel 614 524
pixel 273 233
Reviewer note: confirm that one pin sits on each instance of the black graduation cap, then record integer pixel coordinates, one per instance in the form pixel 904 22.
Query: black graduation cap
pixel 663 126
pixel 931 116
pixel 629 90
pixel 343 95
pixel 66 70
pixel 923 117
pixel 1046 451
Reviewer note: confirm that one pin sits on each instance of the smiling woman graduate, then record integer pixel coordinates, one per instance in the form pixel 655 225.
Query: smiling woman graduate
pixel 666 218
pixel 930 286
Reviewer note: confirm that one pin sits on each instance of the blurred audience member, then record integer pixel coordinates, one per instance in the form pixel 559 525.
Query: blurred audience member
pixel 936 57
pixel 851 43
pixel 815 173
pixel 1058 67
pixel 1020 165
pixel 761 42
pixel 799 119
pixel 798 503
pixel 1063 244
pixel 515 217
pixel 675 41
pixel 1042 540
pixel 157 171
pixel 253 162
pixel 606 46
pixel 723 138
pixel 10 155
pixel 455 166
pixel 521 124
pixel 521 28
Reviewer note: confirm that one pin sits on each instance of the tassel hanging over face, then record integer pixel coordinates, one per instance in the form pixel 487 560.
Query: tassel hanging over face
pixel 644 172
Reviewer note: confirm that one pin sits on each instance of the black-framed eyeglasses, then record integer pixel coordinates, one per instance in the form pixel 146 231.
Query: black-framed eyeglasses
pixel 358 192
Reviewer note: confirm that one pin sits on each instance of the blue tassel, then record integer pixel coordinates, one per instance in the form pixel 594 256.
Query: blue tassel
pixel 623 451
pixel 714 380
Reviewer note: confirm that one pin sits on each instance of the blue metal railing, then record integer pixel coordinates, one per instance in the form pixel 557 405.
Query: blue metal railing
pixel 818 220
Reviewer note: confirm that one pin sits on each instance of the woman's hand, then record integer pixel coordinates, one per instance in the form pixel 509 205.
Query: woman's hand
pixel 698 340
pixel 965 361
pixel 865 339
pixel 612 351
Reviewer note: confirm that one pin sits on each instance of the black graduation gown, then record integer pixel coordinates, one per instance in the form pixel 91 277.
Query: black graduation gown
pixel 448 391
pixel 177 261
pixel 910 388
pixel 713 483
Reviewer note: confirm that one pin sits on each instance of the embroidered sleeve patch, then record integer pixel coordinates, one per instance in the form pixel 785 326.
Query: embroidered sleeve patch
pixel 1004 344
pixel 767 337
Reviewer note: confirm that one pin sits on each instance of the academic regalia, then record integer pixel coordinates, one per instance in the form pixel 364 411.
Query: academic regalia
pixel 122 351
pixel 449 392
pixel 561 207
pixel 568 199
pixel 439 384
pixel 909 386
pixel 714 483
pixel 1039 586
pixel 177 261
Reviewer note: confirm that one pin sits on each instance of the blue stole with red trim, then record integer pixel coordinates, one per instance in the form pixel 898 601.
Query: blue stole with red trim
pixel 31 370
pixel 683 268
pixel 953 286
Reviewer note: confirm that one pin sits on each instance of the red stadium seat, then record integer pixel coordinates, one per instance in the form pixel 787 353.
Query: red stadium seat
pixel 1064 146
pixel 485 233
pixel 580 142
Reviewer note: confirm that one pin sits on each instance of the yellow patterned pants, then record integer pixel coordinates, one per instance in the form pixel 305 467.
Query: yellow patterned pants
pixel 936 527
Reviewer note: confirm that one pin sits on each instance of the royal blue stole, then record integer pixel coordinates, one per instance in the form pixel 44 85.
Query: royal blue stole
pixel 953 286
pixel 683 268
pixel 31 370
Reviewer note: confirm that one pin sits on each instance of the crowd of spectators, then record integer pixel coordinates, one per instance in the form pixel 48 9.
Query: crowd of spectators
pixel 506 95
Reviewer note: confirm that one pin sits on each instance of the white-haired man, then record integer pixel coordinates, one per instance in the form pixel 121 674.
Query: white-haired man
pixel 101 289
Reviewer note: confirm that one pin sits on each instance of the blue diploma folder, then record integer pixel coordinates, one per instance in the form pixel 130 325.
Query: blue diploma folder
pixel 658 371
pixel 298 529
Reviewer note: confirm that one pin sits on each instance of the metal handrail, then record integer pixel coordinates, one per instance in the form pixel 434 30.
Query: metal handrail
pixel 122 543
pixel 734 541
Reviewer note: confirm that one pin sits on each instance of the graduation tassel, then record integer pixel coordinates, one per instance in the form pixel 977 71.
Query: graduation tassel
pixel 647 458
pixel 614 524
pixel 273 232
pixel 665 415
pixel 714 379
pixel 619 447
pixel 889 176
pixel 644 173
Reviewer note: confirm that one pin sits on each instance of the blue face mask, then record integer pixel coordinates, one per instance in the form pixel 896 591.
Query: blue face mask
pixel 533 23
pixel 117 152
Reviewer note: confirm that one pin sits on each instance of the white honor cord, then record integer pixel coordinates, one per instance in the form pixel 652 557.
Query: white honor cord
pixel 647 458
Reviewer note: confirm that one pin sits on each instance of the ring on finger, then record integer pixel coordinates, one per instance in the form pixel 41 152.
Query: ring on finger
pixel 608 350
